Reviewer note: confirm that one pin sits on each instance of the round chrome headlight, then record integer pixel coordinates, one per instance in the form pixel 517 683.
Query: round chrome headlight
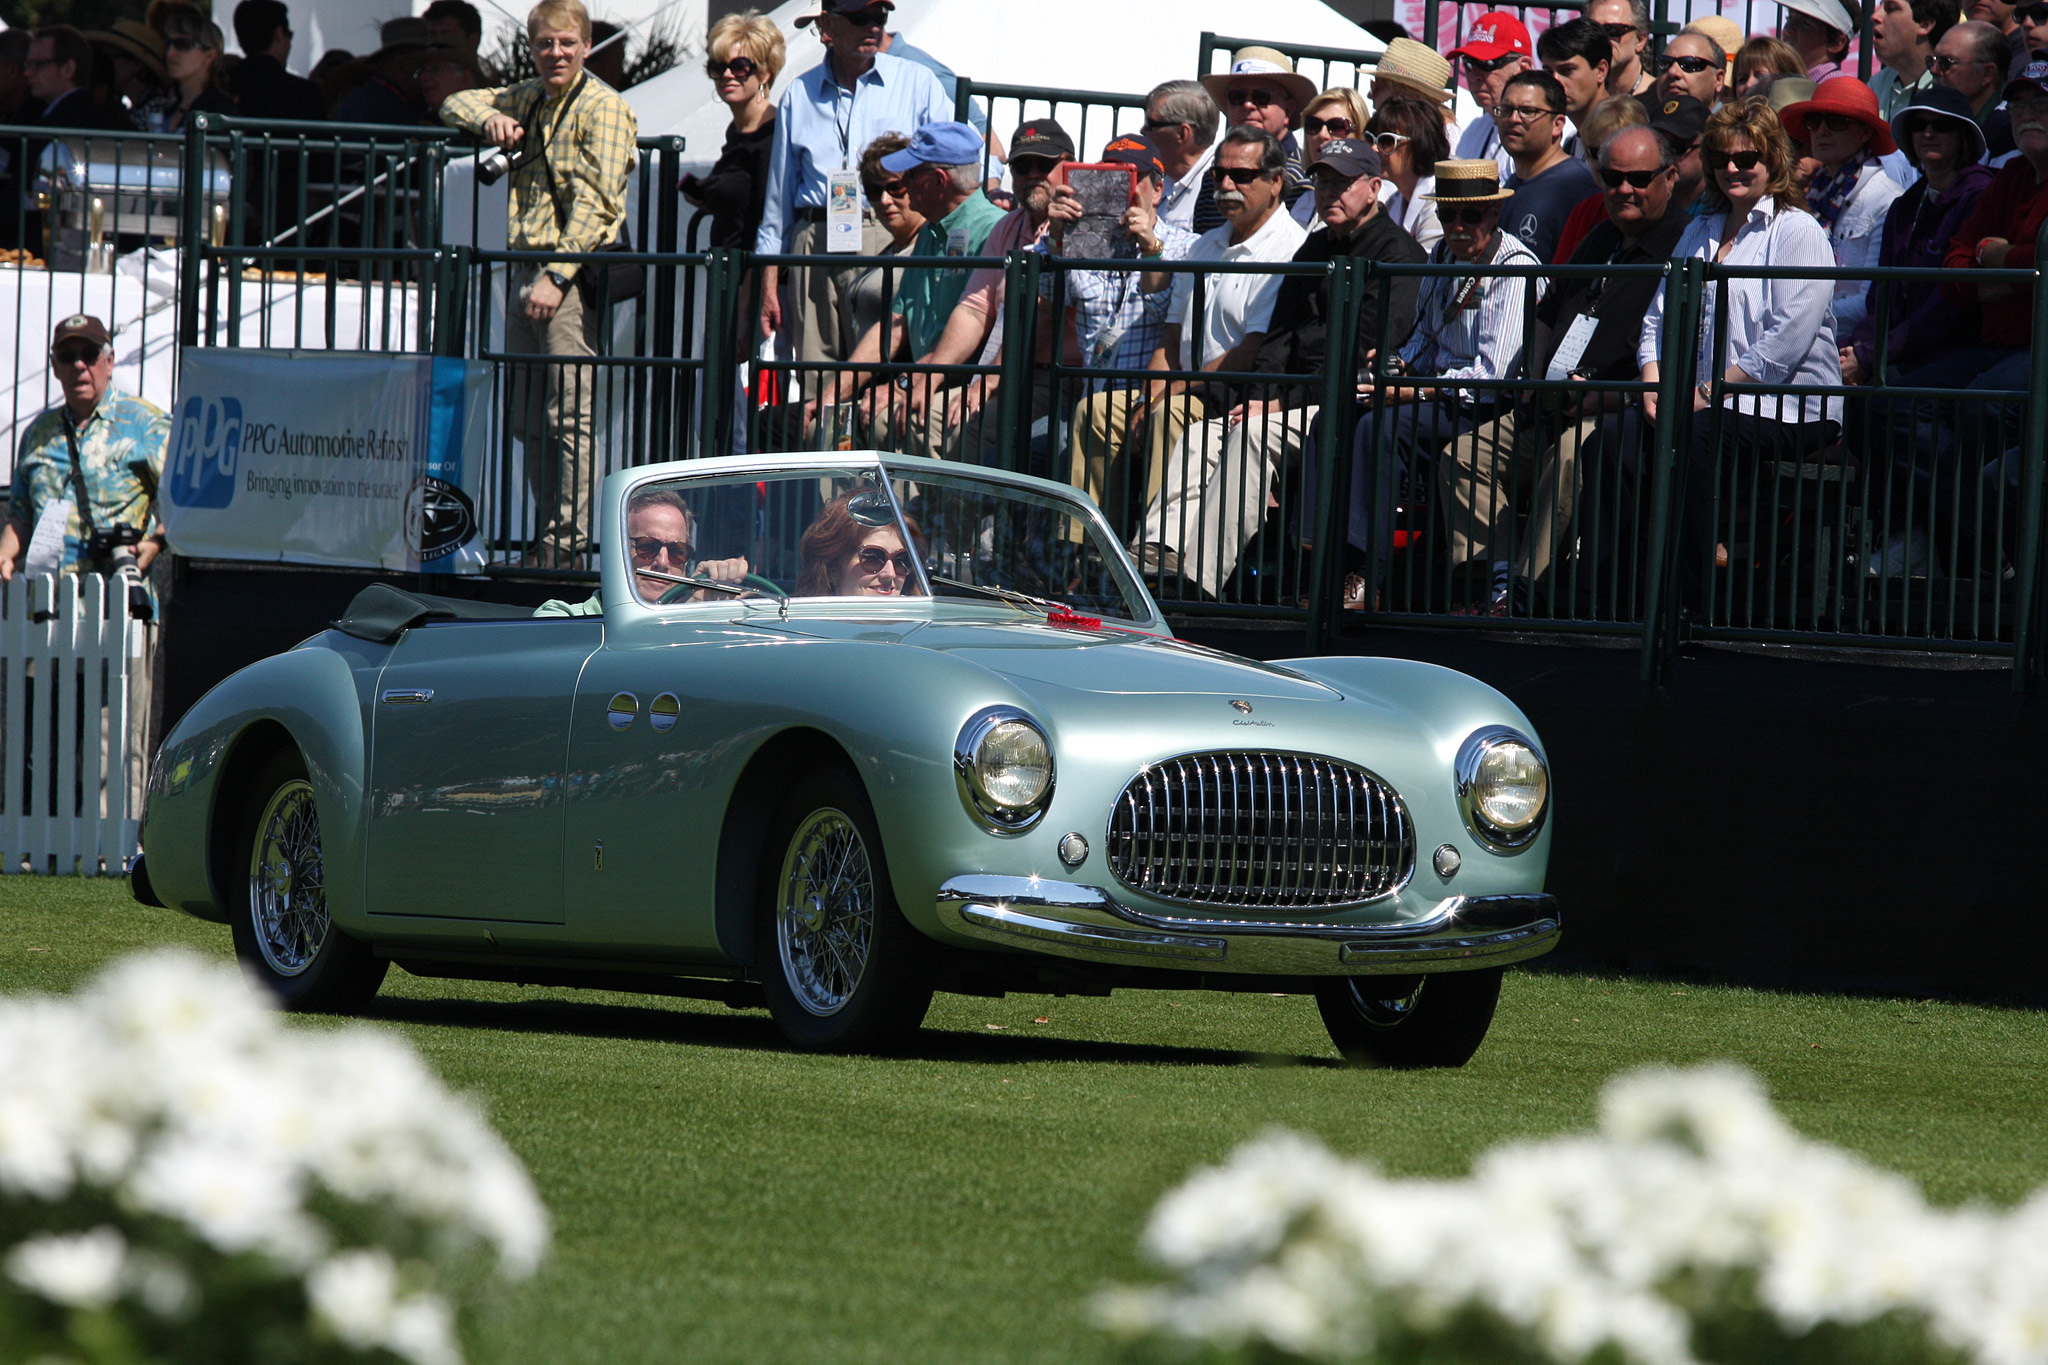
pixel 1503 788
pixel 1004 764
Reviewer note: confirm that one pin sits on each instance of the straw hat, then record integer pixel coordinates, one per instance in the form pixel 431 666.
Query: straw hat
pixel 1841 95
pixel 1469 182
pixel 1260 63
pixel 137 40
pixel 1785 91
pixel 1725 33
pixel 1407 62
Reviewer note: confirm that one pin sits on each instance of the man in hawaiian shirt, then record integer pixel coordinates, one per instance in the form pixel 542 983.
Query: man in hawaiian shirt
pixel 86 471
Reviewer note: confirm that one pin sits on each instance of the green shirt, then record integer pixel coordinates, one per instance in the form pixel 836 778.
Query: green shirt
pixel 927 297
pixel 555 606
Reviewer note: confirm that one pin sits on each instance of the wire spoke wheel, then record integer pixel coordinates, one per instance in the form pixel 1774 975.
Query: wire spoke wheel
pixel 287 882
pixel 825 916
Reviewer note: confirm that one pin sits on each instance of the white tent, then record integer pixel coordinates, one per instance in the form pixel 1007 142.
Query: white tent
pixel 1113 46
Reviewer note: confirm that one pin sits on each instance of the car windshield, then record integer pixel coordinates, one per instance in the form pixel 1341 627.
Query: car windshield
pixel 890 532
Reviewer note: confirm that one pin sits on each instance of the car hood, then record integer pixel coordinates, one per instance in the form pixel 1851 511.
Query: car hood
pixel 1114 662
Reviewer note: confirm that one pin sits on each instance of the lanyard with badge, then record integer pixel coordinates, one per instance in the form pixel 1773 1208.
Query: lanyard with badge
pixel 1571 347
pixel 842 187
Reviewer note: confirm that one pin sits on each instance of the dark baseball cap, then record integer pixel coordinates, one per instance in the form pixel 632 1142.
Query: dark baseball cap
pixel 1680 118
pixel 1137 149
pixel 80 325
pixel 1042 137
pixel 1348 157
pixel 2032 79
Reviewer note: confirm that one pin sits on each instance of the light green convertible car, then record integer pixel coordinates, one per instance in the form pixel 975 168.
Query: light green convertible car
pixel 842 730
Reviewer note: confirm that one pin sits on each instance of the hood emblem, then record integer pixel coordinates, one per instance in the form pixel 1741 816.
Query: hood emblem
pixel 1243 708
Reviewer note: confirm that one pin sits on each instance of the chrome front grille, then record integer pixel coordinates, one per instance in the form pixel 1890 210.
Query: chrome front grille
pixel 1281 831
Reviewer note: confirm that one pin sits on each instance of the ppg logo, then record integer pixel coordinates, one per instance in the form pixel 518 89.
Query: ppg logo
pixel 207 452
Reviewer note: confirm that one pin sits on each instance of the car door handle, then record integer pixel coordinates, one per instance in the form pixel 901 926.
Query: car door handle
pixel 408 696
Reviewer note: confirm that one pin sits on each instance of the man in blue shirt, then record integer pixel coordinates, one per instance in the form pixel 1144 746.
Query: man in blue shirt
pixel 825 120
pixel 1548 181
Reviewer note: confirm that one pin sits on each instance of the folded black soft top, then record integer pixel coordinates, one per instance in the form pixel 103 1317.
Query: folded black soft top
pixel 382 613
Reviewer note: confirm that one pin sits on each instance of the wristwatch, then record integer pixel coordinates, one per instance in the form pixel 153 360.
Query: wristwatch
pixel 559 280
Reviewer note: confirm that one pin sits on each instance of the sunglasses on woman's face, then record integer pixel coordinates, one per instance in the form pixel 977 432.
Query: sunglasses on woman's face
pixel 740 67
pixel 1238 175
pixel 1641 180
pixel 1834 123
pixel 1336 127
pixel 1388 143
pixel 1741 161
pixel 182 44
pixel 1691 66
pixel 893 189
pixel 873 558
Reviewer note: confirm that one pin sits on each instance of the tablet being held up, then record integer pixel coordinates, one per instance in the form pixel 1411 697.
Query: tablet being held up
pixel 1104 189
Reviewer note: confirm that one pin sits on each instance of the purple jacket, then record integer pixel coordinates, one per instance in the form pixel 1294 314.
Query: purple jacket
pixel 1917 231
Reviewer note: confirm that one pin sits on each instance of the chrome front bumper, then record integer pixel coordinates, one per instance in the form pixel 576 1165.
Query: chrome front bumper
pixel 1066 919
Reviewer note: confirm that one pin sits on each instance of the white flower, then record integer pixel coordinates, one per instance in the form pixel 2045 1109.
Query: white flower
pixel 353 1295
pixel 81 1270
pixel 237 1198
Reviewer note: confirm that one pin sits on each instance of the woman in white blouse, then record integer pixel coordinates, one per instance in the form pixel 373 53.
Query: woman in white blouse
pixel 1780 333
pixel 1850 191
pixel 1409 134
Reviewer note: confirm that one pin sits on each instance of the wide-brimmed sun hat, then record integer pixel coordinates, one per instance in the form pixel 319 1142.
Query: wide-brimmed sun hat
pixel 1409 64
pixel 137 40
pixel 1951 108
pixel 1259 64
pixel 1843 95
pixel 1722 32
pixel 1469 182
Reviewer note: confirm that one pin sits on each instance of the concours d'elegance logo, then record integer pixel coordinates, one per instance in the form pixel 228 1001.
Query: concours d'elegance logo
pixel 206 452
pixel 439 518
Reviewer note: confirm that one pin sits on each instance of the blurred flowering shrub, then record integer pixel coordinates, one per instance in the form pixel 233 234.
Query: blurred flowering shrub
pixel 1694 1225
pixel 183 1178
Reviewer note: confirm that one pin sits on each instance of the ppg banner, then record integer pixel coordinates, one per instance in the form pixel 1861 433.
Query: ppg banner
pixel 308 457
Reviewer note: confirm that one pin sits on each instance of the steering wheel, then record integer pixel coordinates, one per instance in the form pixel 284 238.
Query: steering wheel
pixel 682 592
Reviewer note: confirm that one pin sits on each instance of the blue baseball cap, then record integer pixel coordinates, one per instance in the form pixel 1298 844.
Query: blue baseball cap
pixel 939 144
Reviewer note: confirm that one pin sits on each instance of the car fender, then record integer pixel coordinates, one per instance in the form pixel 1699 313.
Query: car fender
pixel 311 698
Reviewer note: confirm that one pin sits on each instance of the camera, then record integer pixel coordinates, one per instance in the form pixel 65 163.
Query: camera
pixel 492 165
pixel 114 547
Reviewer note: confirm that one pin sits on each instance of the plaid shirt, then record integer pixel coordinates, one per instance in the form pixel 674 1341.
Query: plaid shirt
pixel 592 150
pixel 1118 324
pixel 121 455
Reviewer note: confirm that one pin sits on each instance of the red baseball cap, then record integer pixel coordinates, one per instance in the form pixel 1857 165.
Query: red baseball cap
pixel 1495 35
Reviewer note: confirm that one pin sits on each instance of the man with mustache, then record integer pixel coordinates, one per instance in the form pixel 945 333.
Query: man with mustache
pixel 1250 170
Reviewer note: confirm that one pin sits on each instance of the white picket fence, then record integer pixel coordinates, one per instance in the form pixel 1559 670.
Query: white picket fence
pixel 74 690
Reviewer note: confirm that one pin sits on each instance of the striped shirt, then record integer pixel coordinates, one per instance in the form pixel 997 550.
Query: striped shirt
pixel 1117 323
pixel 592 143
pixel 1480 338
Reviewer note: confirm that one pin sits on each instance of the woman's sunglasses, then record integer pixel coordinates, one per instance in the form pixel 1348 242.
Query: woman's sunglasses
pixel 1388 143
pixel 1336 127
pixel 1741 161
pixel 740 67
pixel 895 189
pixel 873 558
pixel 1691 66
pixel 1834 123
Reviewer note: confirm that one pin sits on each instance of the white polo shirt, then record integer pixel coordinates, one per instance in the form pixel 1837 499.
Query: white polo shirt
pixel 1236 304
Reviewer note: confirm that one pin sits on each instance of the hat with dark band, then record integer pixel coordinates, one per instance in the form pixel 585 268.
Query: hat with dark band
pixel 1253 65
pixel 1469 182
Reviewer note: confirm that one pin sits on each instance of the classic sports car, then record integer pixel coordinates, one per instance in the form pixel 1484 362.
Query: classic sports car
pixel 841 730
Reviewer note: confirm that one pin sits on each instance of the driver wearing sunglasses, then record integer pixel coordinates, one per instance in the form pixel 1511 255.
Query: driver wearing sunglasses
pixel 119 450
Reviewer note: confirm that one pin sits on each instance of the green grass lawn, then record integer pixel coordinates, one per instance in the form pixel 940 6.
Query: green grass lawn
pixel 718 1199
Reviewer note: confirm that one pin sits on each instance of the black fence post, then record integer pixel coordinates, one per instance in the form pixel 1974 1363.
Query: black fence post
pixel 725 270
pixel 1020 353
pixel 1684 287
pixel 2034 447
pixel 1349 278
pixel 192 230
pixel 662 287
pixel 451 300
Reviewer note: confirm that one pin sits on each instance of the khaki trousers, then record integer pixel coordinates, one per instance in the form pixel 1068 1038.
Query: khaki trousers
pixel 1105 430
pixel 815 316
pixel 552 416
pixel 1476 483
pixel 1217 488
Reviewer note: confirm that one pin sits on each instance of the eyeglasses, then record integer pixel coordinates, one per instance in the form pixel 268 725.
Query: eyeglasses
pixel 85 353
pixel 1255 95
pixel 1691 66
pixel 1338 127
pixel 647 549
pixel 874 16
pixel 1741 161
pixel 1638 179
pixel 1237 175
pixel 1470 217
pixel 181 44
pixel 893 189
pixel 1616 32
pixel 1480 68
pixel 1944 65
pixel 1388 143
pixel 1834 123
pixel 872 559
pixel 1522 113
pixel 740 67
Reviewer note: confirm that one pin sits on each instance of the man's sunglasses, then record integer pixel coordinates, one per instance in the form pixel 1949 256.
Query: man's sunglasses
pixel 86 353
pixel 647 549
pixel 1337 127
pixel 874 16
pixel 1469 216
pixel 1691 66
pixel 1034 165
pixel 1237 175
pixel 1946 64
pixel 1255 95
pixel 872 559
pixel 1639 179
pixel 1484 67
pixel 1616 32
pixel 2032 14
pixel 740 67
pixel 1159 125
pixel 1741 161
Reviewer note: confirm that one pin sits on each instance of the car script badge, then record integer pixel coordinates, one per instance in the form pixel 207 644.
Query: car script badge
pixel 1243 708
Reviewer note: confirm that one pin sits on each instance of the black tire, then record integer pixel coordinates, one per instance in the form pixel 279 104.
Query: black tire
pixel 842 969
pixel 1407 1022
pixel 277 899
